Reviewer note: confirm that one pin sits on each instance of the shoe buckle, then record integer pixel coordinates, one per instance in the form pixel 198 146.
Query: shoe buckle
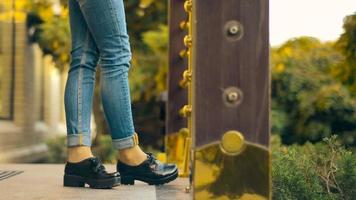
pixel 96 165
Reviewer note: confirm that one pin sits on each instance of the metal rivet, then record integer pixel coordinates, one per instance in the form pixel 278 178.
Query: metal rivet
pixel 187 78
pixel 188 41
pixel 184 25
pixel 232 142
pixel 233 30
pixel 188 6
pixel 183 53
pixel 185 111
pixel 232 96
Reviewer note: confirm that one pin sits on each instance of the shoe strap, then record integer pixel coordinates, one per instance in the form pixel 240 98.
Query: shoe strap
pixel 97 166
pixel 154 162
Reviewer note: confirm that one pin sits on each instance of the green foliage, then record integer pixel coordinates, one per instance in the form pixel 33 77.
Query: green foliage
pixel 312 172
pixel 347 174
pixel 307 102
pixel 55 42
pixel 148 78
pixel 57 150
pixel 346 72
pixel 143 16
pixel 104 149
pixel 149 71
pixel 52 31
pixel 53 34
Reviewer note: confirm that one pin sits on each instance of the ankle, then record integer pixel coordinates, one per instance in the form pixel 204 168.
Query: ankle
pixel 79 153
pixel 132 156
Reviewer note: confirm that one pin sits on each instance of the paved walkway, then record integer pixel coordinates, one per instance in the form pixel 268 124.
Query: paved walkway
pixel 44 181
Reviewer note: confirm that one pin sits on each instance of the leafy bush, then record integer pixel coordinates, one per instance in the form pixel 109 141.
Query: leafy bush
pixel 57 150
pixel 308 103
pixel 312 172
pixel 149 71
pixel 346 44
pixel 50 30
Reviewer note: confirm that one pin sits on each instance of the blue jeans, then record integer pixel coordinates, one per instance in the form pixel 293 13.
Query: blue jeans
pixel 98 31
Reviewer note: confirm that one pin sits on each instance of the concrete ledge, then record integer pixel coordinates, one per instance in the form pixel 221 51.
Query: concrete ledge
pixel 44 181
pixel 24 154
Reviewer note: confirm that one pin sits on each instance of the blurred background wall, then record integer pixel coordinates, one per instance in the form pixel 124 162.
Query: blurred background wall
pixel 31 107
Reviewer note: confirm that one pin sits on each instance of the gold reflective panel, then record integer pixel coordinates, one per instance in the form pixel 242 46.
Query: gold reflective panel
pixel 219 175
pixel 178 149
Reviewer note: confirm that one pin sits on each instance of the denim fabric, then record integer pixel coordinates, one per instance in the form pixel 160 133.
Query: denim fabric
pixel 98 31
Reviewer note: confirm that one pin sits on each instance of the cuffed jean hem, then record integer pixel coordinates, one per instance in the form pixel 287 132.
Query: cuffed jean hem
pixel 78 140
pixel 125 142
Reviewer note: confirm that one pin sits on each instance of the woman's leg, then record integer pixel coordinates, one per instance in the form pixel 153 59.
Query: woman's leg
pixel 106 21
pixel 80 86
pixel 82 167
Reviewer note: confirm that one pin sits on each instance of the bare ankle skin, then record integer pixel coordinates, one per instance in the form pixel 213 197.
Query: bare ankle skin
pixel 79 153
pixel 132 156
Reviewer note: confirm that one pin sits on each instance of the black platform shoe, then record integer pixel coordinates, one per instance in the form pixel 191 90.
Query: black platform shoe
pixel 151 171
pixel 90 171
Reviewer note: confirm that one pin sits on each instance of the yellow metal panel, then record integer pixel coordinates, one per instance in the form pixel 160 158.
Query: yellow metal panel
pixel 219 176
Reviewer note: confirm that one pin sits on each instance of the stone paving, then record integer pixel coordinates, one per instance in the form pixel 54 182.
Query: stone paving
pixel 44 181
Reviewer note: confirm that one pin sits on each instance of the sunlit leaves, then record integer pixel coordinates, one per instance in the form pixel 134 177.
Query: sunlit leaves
pixel 148 75
pixel 346 72
pixel 53 34
pixel 305 92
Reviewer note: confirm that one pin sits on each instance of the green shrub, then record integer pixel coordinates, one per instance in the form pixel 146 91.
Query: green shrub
pixel 347 175
pixel 313 171
pixel 308 102
pixel 57 150
pixel 104 149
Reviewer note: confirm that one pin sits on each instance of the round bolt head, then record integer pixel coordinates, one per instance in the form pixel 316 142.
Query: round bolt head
pixel 188 41
pixel 233 30
pixel 232 96
pixel 232 142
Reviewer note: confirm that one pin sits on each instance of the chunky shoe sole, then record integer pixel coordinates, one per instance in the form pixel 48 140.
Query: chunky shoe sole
pixel 78 181
pixel 130 180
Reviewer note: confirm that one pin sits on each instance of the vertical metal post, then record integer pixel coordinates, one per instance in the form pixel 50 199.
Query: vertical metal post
pixel 222 61
pixel 179 76
pixel 230 99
